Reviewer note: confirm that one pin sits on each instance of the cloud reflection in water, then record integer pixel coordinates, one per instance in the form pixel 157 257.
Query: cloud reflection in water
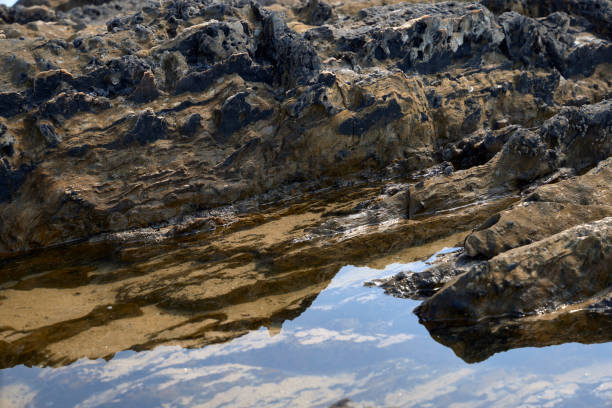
pixel 353 342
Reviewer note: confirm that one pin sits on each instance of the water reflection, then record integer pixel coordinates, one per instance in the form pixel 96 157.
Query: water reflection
pixel 352 342
pixel 478 342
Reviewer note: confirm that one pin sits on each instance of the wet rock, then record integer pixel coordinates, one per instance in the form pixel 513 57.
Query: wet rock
pixel 566 268
pixel 402 124
pixel 283 103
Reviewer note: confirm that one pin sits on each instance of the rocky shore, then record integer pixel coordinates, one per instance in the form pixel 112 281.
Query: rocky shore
pixel 215 162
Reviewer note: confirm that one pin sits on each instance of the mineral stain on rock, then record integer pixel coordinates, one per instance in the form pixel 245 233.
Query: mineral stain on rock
pixel 206 167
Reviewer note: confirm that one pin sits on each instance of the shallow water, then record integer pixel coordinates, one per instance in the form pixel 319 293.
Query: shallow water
pixel 353 342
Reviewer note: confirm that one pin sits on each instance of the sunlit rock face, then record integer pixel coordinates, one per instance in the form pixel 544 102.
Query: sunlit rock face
pixel 178 165
pixel 123 115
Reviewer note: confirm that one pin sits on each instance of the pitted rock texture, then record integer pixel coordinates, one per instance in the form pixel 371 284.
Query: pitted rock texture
pixel 97 107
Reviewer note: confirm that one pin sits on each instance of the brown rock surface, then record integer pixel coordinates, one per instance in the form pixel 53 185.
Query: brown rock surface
pixel 548 210
pixel 184 172
pixel 276 105
pixel 569 267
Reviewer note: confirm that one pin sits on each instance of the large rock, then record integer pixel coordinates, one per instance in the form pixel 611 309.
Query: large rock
pixel 555 207
pixel 595 12
pixel 420 37
pixel 285 94
pixel 231 156
pixel 566 268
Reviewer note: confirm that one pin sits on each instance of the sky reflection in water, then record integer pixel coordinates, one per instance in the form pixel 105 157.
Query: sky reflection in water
pixel 353 342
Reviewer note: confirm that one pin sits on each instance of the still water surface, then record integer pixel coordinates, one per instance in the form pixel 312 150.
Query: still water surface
pixel 353 342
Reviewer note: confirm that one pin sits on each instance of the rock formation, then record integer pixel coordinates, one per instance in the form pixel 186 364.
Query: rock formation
pixel 128 128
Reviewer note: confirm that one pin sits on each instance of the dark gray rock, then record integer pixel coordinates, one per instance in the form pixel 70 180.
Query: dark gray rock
pixel 315 12
pixel 24 15
pixel 237 113
pixel 148 128
pixel 191 125
pixel 47 84
pixel 580 137
pixel 424 38
pixel 240 64
pixel 78 151
pixel 540 87
pixel 11 179
pixel 7 142
pixel 476 149
pixel 315 95
pixel 11 103
pixel 118 76
pixel 214 41
pixel 598 13
pixel 66 105
pixel 49 134
pixel 294 59
pixel 384 114
pixel 417 285
pixel 547 43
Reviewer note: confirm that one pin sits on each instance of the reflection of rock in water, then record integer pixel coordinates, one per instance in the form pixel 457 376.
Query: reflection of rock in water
pixel 549 253
pixel 61 328
pixel 164 132
pixel 478 342
pixel 131 292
